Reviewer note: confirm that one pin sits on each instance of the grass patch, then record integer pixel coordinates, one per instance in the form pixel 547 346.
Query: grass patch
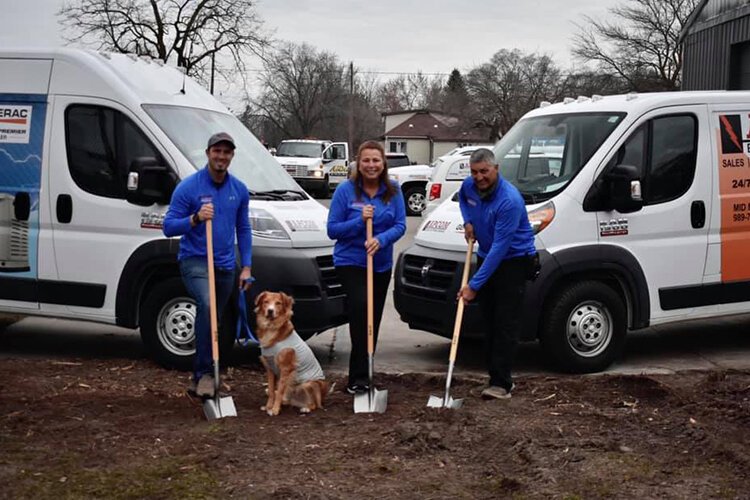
pixel 145 478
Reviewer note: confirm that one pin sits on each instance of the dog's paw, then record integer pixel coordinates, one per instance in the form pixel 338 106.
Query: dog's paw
pixel 262 408
pixel 272 412
pixel 304 410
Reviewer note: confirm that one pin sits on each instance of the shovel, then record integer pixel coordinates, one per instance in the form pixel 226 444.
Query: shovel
pixel 374 401
pixel 447 401
pixel 217 407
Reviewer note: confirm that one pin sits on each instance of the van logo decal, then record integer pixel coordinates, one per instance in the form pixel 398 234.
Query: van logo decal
pixel 15 124
pixel 614 227
pixel 438 226
pixel 302 225
pixel 152 220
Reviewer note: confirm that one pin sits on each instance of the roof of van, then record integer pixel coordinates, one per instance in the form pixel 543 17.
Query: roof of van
pixel 120 77
pixel 311 141
pixel 639 103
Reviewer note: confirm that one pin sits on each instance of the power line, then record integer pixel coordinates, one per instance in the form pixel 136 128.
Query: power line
pixel 365 72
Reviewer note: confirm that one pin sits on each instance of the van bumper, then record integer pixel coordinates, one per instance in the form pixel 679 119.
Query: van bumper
pixel 426 283
pixel 308 275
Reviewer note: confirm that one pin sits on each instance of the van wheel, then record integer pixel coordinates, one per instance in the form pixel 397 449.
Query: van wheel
pixel 167 326
pixel 415 200
pixel 584 327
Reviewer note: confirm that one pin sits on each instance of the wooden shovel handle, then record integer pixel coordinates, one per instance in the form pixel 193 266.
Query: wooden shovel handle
pixel 212 291
pixel 460 309
pixel 370 314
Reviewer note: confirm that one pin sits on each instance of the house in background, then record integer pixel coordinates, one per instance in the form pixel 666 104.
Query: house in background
pixel 716 46
pixel 425 135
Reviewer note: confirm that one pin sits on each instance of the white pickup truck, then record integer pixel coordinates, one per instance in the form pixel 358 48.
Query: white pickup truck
pixel 316 165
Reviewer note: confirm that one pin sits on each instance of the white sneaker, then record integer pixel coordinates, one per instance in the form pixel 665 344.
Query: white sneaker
pixel 496 392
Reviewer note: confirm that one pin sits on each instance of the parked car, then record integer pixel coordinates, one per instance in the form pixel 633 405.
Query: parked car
pixel 640 206
pixel 397 160
pixel 413 180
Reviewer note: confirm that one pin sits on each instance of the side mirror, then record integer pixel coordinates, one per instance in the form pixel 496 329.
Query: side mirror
pixel 22 206
pixel 624 188
pixel 149 182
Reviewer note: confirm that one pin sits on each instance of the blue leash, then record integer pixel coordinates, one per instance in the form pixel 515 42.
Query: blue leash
pixel 245 335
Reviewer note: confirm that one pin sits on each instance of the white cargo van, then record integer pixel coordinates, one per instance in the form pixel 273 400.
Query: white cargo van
pixel 641 208
pixel 318 166
pixel 91 147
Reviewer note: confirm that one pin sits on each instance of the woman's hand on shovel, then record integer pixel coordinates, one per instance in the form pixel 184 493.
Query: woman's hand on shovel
pixel 372 245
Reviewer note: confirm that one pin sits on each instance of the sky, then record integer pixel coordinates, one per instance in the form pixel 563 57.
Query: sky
pixel 432 36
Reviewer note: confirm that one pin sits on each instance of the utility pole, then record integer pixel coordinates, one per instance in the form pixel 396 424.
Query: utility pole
pixel 351 108
pixel 213 67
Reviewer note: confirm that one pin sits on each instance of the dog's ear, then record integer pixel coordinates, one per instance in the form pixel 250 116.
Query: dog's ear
pixel 288 301
pixel 260 297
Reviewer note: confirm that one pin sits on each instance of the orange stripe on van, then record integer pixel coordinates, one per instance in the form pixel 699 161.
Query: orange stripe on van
pixel 734 196
pixel 14 121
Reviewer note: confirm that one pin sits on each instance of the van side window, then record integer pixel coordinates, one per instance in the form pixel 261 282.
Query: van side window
pixel 101 144
pixel 673 154
pixel 664 152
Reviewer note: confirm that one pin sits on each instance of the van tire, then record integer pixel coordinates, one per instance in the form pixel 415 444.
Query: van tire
pixel 175 348
pixel 415 200
pixel 584 327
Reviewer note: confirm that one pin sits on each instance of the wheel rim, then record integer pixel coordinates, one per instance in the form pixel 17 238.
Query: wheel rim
pixel 416 202
pixel 176 326
pixel 589 329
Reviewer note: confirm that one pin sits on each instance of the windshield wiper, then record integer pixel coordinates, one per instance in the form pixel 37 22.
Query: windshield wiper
pixel 279 194
pixel 265 195
pixel 529 198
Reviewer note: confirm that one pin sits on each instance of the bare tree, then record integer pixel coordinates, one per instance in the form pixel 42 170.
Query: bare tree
pixel 189 32
pixel 638 43
pixel 410 91
pixel 508 86
pixel 304 91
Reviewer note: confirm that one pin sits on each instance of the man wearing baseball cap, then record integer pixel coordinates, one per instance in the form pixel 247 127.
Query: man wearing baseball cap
pixel 211 193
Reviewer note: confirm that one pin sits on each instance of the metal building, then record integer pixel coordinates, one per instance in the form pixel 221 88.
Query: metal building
pixel 716 46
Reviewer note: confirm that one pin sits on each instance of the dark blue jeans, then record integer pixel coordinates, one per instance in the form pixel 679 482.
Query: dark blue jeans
pixel 195 276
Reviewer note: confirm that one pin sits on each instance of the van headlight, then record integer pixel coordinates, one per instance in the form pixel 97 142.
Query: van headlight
pixel 541 217
pixel 265 225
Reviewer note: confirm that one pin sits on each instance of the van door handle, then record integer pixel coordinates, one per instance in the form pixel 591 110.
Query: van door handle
pixel 64 208
pixel 698 214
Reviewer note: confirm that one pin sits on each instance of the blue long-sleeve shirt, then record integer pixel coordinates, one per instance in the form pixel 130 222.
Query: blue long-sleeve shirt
pixel 231 204
pixel 501 226
pixel 345 225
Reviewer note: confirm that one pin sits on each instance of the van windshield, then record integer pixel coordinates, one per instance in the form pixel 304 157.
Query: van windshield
pixel 190 128
pixel 300 149
pixel 541 155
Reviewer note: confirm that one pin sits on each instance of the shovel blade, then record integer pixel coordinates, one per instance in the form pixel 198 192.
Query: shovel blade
pixel 439 402
pixel 219 408
pixel 373 401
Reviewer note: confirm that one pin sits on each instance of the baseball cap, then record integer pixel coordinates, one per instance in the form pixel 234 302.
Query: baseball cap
pixel 220 137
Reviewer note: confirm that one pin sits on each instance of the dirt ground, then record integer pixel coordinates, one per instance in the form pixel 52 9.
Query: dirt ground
pixel 74 428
